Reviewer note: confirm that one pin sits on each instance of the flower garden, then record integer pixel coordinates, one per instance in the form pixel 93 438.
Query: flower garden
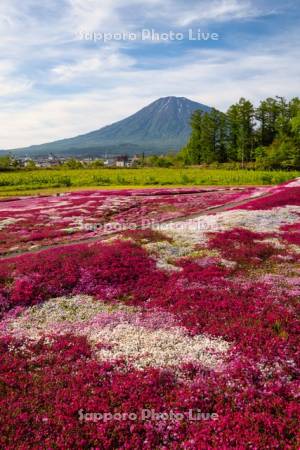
pixel 181 302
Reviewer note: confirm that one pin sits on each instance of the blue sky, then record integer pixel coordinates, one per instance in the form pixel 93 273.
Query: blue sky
pixel 56 84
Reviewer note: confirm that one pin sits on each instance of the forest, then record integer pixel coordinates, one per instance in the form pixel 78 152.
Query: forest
pixel 268 135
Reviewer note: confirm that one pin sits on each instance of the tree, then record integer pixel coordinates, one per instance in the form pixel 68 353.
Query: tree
pixel 283 154
pixel 9 163
pixel 208 139
pixel 160 161
pixel 72 164
pixel 267 114
pixel 295 124
pixel 207 143
pixel 241 130
pixel 283 122
pixel 213 137
pixel 221 147
pixel 97 164
pixel 233 130
pixel 192 152
pixel 31 165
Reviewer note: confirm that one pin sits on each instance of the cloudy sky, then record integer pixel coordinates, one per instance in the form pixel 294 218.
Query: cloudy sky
pixel 58 79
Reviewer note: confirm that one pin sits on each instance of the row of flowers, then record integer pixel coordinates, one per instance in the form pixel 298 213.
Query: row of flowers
pixel 38 221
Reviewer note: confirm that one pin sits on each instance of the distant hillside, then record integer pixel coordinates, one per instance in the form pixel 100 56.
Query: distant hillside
pixel 163 125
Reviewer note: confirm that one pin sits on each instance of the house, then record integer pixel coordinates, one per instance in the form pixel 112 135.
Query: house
pixel 122 161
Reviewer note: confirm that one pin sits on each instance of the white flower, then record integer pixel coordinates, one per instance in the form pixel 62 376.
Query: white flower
pixel 150 338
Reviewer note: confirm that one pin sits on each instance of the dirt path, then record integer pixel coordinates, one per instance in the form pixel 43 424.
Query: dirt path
pixel 207 211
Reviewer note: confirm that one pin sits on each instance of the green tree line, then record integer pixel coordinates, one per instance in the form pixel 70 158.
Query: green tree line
pixel 268 135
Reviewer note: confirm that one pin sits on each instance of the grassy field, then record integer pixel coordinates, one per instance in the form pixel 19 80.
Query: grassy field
pixel 22 182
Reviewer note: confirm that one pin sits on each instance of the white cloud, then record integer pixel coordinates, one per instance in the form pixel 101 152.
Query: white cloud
pixel 10 83
pixel 182 14
pixel 105 61
pixel 48 120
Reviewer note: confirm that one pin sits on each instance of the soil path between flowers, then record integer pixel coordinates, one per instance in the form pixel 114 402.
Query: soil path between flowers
pixel 207 211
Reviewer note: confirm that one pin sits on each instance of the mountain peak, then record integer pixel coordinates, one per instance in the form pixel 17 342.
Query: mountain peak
pixel 172 98
pixel 175 97
pixel 179 102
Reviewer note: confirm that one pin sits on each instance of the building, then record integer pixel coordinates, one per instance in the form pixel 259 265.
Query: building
pixel 122 161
